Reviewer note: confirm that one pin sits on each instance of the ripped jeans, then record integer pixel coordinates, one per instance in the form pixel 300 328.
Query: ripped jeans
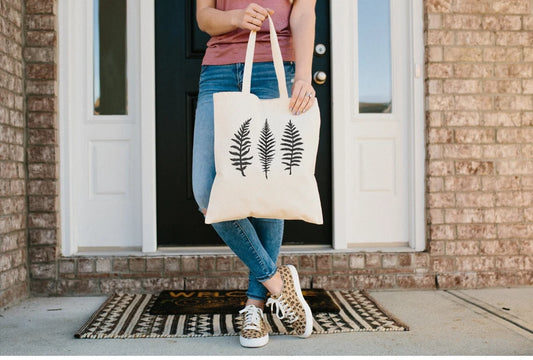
pixel 255 241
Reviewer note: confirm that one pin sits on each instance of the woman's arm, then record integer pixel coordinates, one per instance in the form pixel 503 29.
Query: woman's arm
pixel 302 24
pixel 216 22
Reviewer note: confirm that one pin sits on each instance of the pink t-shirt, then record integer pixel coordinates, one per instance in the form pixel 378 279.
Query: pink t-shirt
pixel 230 48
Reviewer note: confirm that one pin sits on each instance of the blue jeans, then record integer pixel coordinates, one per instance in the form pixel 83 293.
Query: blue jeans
pixel 255 241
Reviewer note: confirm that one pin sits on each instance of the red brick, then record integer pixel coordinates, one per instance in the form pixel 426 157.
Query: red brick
pixel 40 6
pixel 357 261
pixel 332 282
pixel 415 281
pixel 78 287
pixel 198 283
pixel 160 284
pixel 43 270
pixel 109 286
pixel 67 266
pixel 207 263
pixel 40 22
pixel 43 236
pixel 42 254
pixel 42 203
pixel 459 280
pixel 467 247
pixel 238 265
pixel 223 263
pixel 41 71
pixel 36 103
pixel 137 264
pixel 516 262
pixel 290 259
pixel 307 262
pixel 390 260
pixel 499 247
pixel 443 264
pixel 103 265
pixel 511 6
pixel 323 262
pixel 438 6
pixel 475 263
pixel 120 265
pixel 172 264
pixel 41 38
pixel 471 6
pixel 340 261
pixel 381 281
pixel 526 246
pixel 43 287
pixel 41 153
pixel 373 260
pixel 240 283
pixel 86 265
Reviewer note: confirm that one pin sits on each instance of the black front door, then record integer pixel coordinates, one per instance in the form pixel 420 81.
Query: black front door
pixel 179 47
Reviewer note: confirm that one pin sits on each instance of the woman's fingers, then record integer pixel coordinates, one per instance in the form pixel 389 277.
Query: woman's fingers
pixel 254 16
pixel 252 23
pixel 259 10
pixel 303 97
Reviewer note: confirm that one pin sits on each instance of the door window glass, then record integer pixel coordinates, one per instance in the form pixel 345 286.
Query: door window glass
pixel 109 58
pixel 374 53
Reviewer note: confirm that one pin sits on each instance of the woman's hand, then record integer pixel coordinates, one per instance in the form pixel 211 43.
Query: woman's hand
pixel 303 97
pixel 251 18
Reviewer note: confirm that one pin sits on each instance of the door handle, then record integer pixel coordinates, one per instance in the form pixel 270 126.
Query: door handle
pixel 320 77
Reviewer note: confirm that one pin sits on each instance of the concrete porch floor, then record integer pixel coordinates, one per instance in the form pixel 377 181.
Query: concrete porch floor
pixel 442 322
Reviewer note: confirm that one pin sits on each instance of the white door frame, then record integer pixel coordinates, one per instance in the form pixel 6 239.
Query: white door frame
pixel 74 40
pixel 343 67
pixel 341 12
pixel 148 150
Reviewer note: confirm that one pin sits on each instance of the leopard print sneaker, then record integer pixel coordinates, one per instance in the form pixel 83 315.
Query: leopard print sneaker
pixel 254 332
pixel 290 304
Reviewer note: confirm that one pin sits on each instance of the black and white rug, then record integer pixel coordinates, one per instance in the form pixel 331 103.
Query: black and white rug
pixel 128 316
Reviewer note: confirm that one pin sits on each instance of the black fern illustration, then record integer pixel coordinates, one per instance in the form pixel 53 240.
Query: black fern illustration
pixel 266 148
pixel 241 148
pixel 291 143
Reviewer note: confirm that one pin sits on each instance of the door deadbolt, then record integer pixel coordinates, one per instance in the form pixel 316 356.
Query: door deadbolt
pixel 320 77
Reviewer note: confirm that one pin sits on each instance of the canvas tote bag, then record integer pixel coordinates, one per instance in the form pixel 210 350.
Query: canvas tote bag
pixel 264 156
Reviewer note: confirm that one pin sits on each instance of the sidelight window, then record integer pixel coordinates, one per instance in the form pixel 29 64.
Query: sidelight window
pixel 374 42
pixel 110 96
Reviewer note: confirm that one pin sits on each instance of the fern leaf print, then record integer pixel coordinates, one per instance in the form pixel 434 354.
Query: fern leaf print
pixel 266 148
pixel 241 148
pixel 291 143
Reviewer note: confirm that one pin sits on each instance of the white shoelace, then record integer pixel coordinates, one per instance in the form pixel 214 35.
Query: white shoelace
pixel 281 306
pixel 252 317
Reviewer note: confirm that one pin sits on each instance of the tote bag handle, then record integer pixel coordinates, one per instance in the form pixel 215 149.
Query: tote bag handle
pixel 276 56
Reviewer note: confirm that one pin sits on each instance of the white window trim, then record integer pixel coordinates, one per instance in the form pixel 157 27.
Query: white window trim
pixel 341 13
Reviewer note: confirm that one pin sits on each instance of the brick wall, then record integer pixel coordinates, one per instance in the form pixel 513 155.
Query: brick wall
pixel 13 271
pixel 86 275
pixel 479 90
pixel 40 55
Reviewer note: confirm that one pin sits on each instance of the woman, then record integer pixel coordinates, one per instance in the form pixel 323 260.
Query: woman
pixel 255 241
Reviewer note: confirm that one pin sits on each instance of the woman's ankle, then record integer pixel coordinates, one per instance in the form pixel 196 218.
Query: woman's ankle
pixel 257 303
pixel 274 284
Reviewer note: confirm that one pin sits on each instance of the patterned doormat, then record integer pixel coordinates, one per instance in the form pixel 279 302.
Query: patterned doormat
pixel 180 302
pixel 128 316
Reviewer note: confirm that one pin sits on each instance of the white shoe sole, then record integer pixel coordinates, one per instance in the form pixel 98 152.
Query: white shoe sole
pixel 307 309
pixel 256 342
